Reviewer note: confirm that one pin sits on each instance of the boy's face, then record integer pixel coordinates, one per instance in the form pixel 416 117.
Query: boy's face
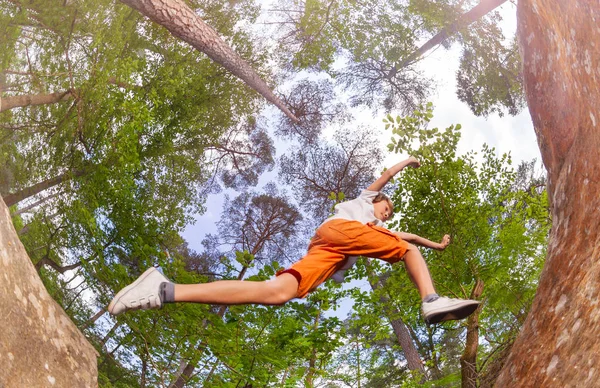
pixel 382 210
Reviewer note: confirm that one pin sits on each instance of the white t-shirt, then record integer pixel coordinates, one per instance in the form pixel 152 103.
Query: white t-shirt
pixel 359 209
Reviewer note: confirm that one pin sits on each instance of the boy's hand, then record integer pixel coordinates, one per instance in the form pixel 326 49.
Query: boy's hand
pixel 413 162
pixel 445 242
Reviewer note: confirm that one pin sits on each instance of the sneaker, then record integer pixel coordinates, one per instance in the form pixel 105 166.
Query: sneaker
pixel 447 309
pixel 144 293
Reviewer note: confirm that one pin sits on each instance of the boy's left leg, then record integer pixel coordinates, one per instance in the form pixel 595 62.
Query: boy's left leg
pixel 152 289
pixel 435 308
pixel 418 271
pixel 374 241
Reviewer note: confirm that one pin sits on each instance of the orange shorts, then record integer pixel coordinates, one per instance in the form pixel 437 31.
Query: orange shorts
pixel 333 242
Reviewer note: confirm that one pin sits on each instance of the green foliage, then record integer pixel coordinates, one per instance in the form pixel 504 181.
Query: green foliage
pixel 376 37
pixel 498 230
pixel 489 78
pixel 146 124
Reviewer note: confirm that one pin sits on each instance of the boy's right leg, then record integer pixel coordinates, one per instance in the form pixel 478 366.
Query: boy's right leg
pixel 146 292
pixel 230 292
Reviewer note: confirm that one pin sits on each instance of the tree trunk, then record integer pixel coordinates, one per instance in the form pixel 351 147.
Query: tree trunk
pixel 143 373
pixel 112 330
pixel 12 199
pixel 58 268
pixel 33 205
pixel 559 344
pixel 35 99
pixel 186 25
pixel 413 359
pixel 39 345
pixel 468 360
pixel 93 319
pixel 11 102
pixel 481 9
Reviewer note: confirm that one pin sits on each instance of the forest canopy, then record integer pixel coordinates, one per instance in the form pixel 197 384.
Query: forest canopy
pixel 114 134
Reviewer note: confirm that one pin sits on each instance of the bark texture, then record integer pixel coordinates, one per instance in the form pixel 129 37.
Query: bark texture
pixel 559 345
pixel 39 345
pixel 183 23
pixel 14 198
pixel 7 103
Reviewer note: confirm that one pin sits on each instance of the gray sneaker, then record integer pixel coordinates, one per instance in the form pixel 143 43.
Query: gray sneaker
pixel 143 293
pixel 447 309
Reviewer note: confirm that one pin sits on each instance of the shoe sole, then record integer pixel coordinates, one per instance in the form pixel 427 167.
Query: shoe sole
pixel 125 290
pixel 453 315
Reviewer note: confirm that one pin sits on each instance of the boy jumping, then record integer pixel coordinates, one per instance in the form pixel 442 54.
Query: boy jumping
pixel 354 230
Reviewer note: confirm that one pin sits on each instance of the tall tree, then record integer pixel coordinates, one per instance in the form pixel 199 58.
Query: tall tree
pixel 370 36
pixel 317 105
pixel 150 123
pixel 37 350
pixel 185 24
pixel 498 228
pixel 331 171
pixel 489 78
pixel 463 21
pixel 252 226
pixel 158 80
pixel 378 41
pixel 402 333
pixel 558 345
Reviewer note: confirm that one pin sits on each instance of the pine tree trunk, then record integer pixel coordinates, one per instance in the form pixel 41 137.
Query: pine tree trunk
pixel 559 344
pixel 58 268
pixel 480 10
pixel 93 319
pixel 33 99
pixel 39 345
pixel 186 25
pixel 12 199
pixel 110 333
pixel 33 205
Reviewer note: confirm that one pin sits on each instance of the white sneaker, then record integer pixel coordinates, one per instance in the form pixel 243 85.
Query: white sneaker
pixel 446 309
pixel 143 293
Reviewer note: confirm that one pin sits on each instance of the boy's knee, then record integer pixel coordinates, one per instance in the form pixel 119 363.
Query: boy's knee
pixel 411 248
pixel 281 293
pixel 281 297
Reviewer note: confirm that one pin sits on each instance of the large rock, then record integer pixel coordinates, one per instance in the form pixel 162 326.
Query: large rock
pixel 39 345
pixel 559 345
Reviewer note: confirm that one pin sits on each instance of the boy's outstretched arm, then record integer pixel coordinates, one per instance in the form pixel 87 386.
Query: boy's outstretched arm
pixel 418 240
pixel 390 172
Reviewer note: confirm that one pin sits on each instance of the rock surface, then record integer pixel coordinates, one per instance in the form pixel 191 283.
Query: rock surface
pixel 559 345
pixel 39 345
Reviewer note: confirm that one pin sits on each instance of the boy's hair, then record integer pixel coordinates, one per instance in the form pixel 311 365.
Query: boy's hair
pixel 382 197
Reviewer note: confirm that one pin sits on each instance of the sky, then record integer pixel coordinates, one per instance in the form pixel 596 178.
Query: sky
pixel 506 134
